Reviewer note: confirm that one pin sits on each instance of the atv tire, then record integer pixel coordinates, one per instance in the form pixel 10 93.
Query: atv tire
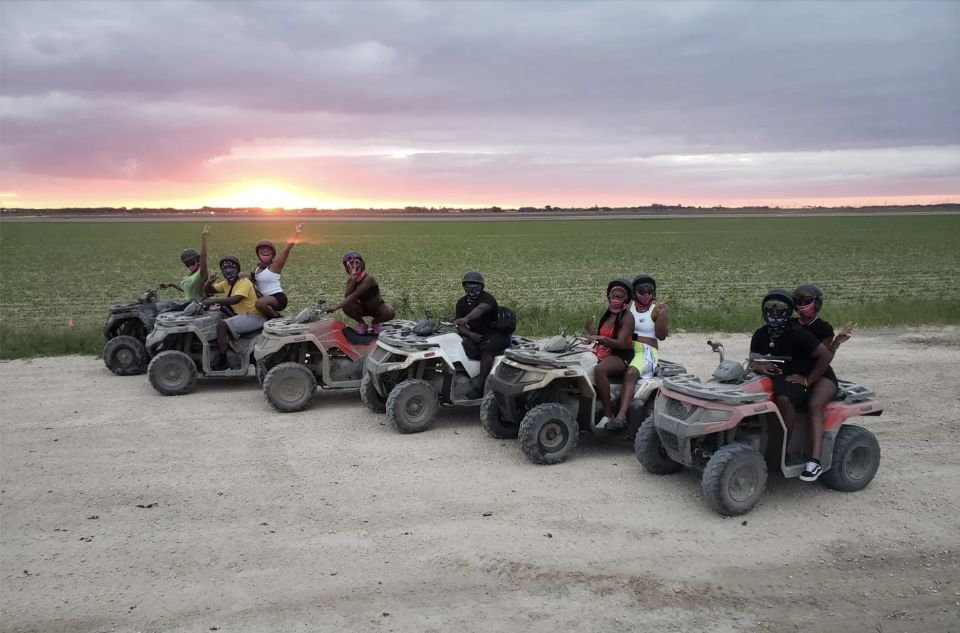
pixel 650 452
pixel 125 356
pixel 369 395
pixel 548 433
pixel 412 406
pixel 856 457
pixel 172 373
pixel 492 423
pixel 734 479
pixel 289 387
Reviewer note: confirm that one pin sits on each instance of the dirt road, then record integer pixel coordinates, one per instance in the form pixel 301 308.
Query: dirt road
pixel 126 511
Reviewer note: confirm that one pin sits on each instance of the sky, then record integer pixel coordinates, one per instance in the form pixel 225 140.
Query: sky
pixel 381 104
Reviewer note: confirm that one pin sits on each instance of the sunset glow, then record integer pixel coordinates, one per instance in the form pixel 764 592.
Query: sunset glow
pixel 477 104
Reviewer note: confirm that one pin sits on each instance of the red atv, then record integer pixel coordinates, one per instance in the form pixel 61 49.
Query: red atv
pixel 729 427
pixel 296 355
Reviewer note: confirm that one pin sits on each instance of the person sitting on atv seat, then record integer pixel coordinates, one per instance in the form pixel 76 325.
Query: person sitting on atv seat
pixel 192 285
pixel 613 342
pixel 361 298
pixel 650 325
pixel 808 299
pixel 241 300
pixel 794 379
pixel 266 276
pixel 476 321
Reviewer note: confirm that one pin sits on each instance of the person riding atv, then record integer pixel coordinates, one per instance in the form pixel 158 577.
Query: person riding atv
pixel 476 318
pixel 241 297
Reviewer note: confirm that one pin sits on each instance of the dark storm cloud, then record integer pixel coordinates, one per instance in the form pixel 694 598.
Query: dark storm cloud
pixel 545 83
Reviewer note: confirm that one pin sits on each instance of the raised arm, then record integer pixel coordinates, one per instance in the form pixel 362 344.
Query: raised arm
pixel 281 260
pixel 203 251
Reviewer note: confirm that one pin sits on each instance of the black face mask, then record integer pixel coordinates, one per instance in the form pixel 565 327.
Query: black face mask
pixel 230 272
pixel 473 291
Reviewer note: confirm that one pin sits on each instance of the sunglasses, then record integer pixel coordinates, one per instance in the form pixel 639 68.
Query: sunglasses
pixel 803 301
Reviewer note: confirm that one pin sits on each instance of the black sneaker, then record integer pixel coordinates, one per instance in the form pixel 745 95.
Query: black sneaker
pixel 220 364
pixel 812 471
pixel 612 424
pixel 474 393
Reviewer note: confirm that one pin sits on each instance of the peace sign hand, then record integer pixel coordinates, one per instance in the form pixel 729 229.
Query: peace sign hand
pixel 844 334
pixel 299 229
pixel 661 308
pixel 206 231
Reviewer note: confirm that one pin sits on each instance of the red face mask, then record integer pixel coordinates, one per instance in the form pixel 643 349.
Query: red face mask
pixel 616 304
pixel 644 299
pixel 807 313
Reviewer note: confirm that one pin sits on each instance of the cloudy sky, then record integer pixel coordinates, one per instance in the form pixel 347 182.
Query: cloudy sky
pixel 475 103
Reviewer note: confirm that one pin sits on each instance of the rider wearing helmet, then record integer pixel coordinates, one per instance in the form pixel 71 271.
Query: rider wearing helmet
pixel 808 300
pixel 650 326
pixel 240 299
pixel 476 321
pixel 792 380
pixel 266 276
pixel 192 284
pixel 362 298
pixel 613 342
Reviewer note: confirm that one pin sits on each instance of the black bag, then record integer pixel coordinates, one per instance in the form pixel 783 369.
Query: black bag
pixel 506 320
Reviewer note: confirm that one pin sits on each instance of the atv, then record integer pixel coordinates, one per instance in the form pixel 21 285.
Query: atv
pixel 730 428
pixel 413 371
pixel 295 356
pixel 183 344
pixel 126 329
pixel 546 396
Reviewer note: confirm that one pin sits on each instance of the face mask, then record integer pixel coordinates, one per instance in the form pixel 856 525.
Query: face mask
pixel 194 266
pixel 644 298
pixel 775 321
pixel 230 272
pixel 807 312
pixel 616 302
pixel 473 290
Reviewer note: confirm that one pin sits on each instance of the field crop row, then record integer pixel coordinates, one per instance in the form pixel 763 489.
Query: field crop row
pixel 880 270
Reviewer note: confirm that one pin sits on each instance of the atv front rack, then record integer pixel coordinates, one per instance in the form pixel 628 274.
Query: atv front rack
pixel 717 392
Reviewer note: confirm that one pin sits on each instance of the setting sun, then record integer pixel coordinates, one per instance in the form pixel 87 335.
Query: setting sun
pixel 266 195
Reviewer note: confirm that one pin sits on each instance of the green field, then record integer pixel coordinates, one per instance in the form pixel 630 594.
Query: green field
pixel 877 271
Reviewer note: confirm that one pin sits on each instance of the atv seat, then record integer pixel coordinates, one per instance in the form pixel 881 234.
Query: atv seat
pixel 851 392
pixel 356 338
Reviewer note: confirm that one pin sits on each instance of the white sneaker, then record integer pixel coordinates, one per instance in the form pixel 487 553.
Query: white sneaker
pixel 603 421
pixel 811 471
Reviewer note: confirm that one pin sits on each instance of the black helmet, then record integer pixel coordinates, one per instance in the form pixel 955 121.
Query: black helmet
pixel 472 277
pixel 189 255
pixel 644 278
pixel 622 283
pixel 351 256
pixel 229 258
pixel 265 244
pixel 779 294
pixel 811 289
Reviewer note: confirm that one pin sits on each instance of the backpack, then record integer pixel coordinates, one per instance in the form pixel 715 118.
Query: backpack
pixel 506 320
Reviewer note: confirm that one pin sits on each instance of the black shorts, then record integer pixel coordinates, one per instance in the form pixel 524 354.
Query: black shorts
pixel 796 393
pixel 281 300
pixel 493 343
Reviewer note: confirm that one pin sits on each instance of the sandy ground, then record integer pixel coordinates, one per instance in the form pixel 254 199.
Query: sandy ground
pixel 126 511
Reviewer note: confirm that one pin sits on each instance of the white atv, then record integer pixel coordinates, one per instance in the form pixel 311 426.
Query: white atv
pixel 546 396
pixel 416 370
pixel 182 345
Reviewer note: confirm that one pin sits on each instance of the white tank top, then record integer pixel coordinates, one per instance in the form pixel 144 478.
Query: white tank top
pixel 268 282
pixel 643 321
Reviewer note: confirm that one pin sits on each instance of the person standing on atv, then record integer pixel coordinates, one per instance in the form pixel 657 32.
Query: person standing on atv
pixel 794 379
pixel 476 321
pixel 192 285
pixel 361 298
pixel 650 325
pixel 240 298
pixel 266 276
pixel 808 299
pixel 613 343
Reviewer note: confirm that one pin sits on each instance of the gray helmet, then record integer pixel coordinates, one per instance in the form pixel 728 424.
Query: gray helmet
pixel 472 277
pixel 728 371
pixel 189 255
pixel 644 278
pixel 622 283
pixel 229 258
pixel 812 289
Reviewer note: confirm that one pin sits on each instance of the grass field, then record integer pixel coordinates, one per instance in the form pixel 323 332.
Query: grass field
pixel 877 271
